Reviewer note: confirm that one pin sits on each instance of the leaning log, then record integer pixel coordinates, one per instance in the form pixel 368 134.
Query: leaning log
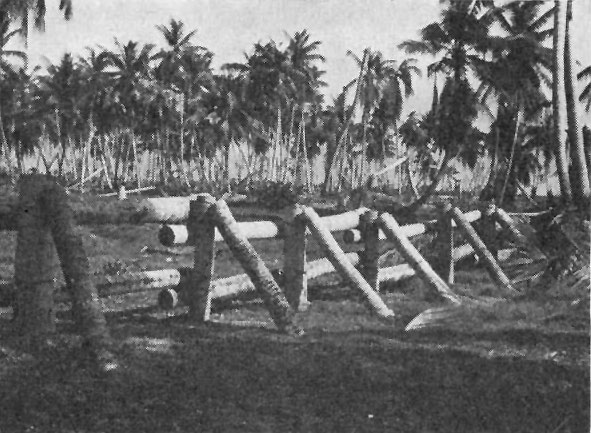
pixel 414 258
pixel 339 260
pixel 483 252
pixel 76 268
pixel 255 267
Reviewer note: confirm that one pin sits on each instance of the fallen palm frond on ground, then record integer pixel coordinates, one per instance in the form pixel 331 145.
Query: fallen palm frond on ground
pixel 549 263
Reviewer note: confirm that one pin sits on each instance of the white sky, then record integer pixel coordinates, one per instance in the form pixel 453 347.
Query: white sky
pixel 230 27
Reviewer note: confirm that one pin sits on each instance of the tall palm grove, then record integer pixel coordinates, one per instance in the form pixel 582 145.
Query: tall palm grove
pixel 131 114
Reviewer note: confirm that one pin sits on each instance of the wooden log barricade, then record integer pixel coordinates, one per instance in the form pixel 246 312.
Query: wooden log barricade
pixel 371 254
pixel 395 233
pixel 339 260
pixel 354 235
pixel 254 266
pixel 481 250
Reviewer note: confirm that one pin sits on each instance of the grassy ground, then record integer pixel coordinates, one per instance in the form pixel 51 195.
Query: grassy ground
pixel 509 370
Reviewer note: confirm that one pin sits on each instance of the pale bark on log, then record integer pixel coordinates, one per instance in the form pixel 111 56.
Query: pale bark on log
pixel 176 234
pixel 255 267
pixel 413 257
pixel 172 209
pixel 339 260
pixel 482 251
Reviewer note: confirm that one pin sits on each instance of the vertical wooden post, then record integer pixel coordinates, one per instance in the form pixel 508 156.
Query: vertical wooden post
pixel 35 263
pixel 480 248
pixel 342 264
pixel 488 229
pixel 201 229
pixel 448 236
pixel 294 259
pixel 394 232
pixel 371 254
pixel 255 268
pixel 441 255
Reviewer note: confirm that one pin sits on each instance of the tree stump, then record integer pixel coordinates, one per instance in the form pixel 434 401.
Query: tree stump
pixel 35 263
pixel 86 306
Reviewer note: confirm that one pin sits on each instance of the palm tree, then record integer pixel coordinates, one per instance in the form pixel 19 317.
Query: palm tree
pixel 558 99
pixel 516 71
pixel 6 68
pixel 456 39
pixel 580 173
pixel 132 74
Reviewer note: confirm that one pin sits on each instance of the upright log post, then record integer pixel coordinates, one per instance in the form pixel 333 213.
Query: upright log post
pixel 201 234
pixel 347 270
pixel 35 264
pixel 371 254
pixel 255 268
pixel 481 250
pixel 441 255
pixel 414 258
pixel 294 259
pixel 86 306
pixel 488 230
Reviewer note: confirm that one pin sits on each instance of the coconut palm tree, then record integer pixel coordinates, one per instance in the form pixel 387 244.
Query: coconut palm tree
pixel 558 99
pixel 456 40
pixel 516 71
pixel 7 66
pixel 580 172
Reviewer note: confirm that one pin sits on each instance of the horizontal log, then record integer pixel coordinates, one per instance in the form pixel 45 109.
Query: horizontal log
pixel 353 236
pixel 174 209
pixel 177 234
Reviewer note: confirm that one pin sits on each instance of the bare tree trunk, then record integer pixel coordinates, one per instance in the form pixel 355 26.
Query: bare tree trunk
pixel 580 185
pixel 558 100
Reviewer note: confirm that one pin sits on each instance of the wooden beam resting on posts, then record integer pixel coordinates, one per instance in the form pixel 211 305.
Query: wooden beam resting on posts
pixel 201 229
pixel 177 234
pixel 255 268
pixel 481 250
pixel 354 235
pixel 294 259
pixel 414 258
pixel 345 268
pixel 371 253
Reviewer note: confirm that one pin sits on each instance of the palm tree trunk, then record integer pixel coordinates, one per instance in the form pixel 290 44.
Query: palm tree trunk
pixel 510 174
pixel 4 143
pixel 580 185
pixel 413 207
pixel 558 100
